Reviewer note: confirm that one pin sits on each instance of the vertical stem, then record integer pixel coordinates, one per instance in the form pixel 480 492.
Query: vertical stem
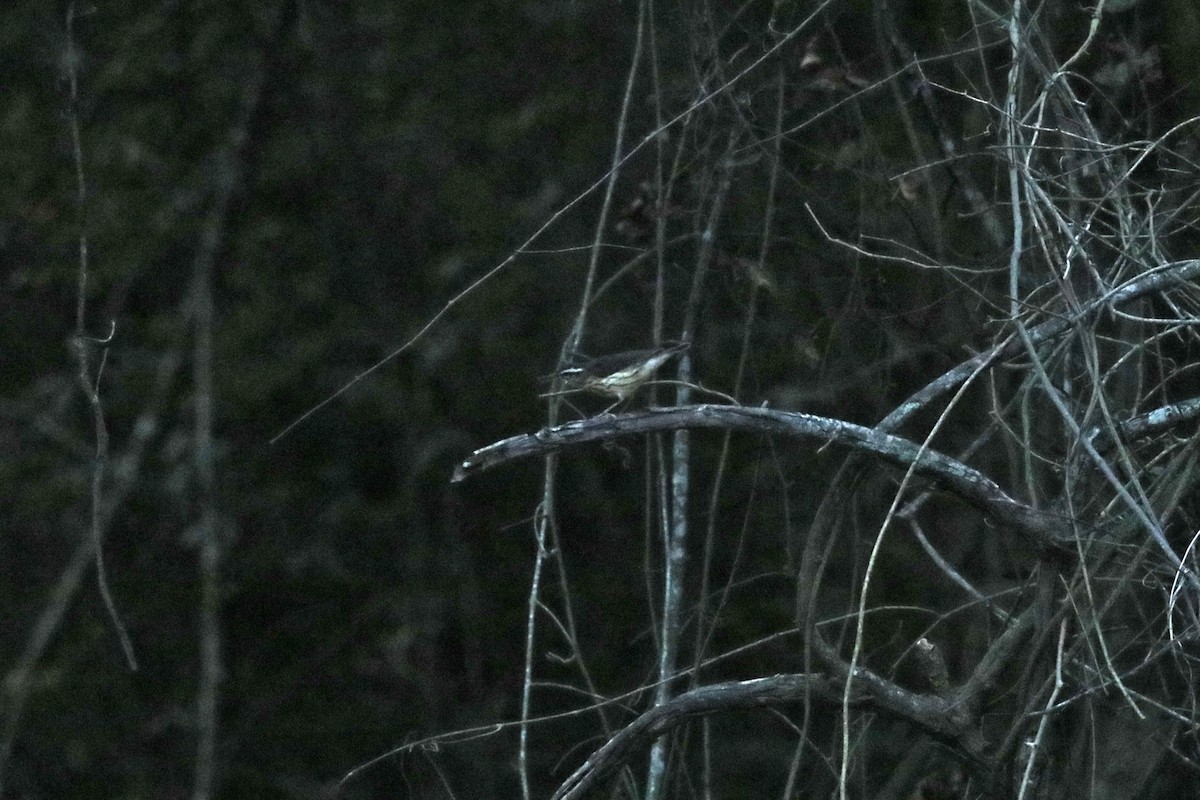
pixel 207 694
pixel 227 176
pixel 544 522
pixel 676 536
pixel 81 343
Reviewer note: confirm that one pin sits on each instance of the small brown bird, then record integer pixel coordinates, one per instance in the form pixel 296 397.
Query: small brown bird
pixel 616 375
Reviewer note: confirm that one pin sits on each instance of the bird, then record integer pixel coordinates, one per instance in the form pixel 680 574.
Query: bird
pixel 616 375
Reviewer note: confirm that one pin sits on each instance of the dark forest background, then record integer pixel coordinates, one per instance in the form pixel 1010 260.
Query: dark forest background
pixel 274 198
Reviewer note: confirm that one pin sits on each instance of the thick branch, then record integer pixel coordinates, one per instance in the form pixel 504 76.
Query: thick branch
pixel 1148 424
pixel 769 692
pixel 1160 279
pixel 969 484
pixel 934 715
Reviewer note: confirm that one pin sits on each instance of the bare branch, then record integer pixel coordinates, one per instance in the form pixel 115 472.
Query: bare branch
pixel 966 482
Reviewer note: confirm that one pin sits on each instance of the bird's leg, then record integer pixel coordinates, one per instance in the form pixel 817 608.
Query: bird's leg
pixel 608 411
pixel 578 411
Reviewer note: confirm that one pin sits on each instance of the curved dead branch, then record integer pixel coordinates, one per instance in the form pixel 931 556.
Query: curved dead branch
pixel 971 485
